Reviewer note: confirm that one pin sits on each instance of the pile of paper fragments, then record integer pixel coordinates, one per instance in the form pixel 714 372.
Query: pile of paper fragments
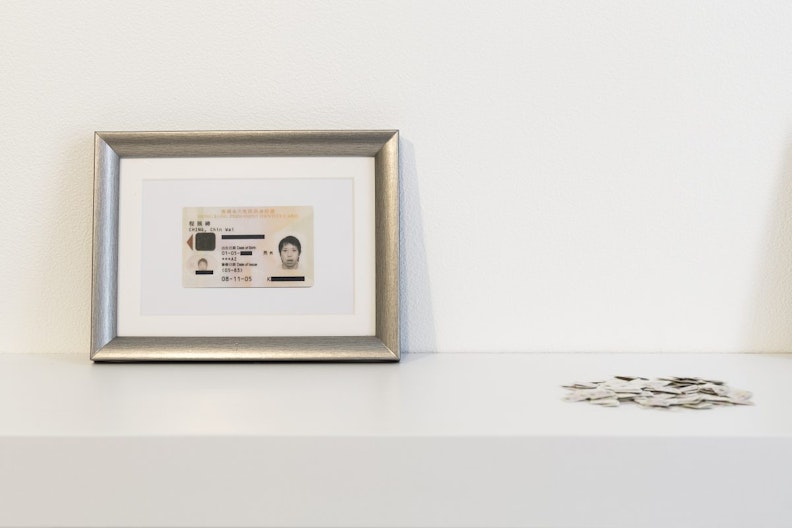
pixel 664 393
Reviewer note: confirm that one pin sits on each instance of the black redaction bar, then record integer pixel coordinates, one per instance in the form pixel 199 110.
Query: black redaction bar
pixel 287 279
pixel 248 253
pixel 204 272
pixel 242 237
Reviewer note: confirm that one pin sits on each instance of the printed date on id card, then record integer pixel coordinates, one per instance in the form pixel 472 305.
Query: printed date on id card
pixel 247 247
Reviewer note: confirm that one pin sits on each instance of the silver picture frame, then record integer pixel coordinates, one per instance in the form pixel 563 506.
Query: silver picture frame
pixel 112 147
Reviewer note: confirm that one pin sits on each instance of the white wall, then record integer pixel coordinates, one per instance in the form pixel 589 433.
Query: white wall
pixel 582 176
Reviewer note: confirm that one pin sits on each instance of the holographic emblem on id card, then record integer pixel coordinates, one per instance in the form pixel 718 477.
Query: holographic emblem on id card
pixel 247 247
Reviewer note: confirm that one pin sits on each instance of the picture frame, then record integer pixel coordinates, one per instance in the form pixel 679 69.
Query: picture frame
pixel 112 149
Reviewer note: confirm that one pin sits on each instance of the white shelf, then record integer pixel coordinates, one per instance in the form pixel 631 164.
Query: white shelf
pixel 437 440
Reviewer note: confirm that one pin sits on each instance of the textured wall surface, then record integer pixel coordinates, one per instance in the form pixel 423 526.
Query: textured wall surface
pixel 576 176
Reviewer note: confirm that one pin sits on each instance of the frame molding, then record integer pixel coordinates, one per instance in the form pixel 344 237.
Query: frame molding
pixel 111 147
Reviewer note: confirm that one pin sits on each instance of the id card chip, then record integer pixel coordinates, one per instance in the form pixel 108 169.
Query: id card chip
pixel 204 241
